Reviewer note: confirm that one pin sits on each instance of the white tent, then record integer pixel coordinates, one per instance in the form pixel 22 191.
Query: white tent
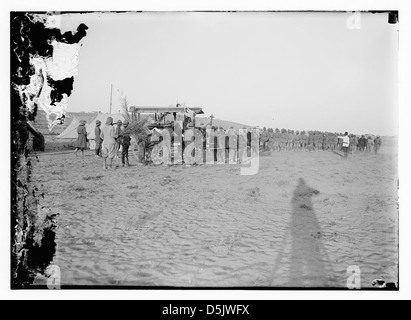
pixel 71 131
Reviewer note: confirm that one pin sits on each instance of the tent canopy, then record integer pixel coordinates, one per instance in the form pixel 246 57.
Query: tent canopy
pixel 71 131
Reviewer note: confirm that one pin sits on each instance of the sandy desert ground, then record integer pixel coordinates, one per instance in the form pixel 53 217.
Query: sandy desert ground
pixel 300 222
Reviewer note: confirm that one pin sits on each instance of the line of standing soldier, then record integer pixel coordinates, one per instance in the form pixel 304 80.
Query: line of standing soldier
pixel 288 140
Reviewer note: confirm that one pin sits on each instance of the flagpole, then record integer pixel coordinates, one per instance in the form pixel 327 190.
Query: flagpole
pixel 111 96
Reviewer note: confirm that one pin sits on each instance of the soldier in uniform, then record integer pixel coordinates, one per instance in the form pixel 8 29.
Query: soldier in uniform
pixel 334 143
pixel 290 140
pixel 314 144
pixel 304 140
pixel 249 142
pixel 297 141
pixel 264 139
pixel 377 144
pixel 277 138
pixel 327 141
pixel 283 141
pixel 355 143
pixel 340 141
pixel 125 141
pixel 254 142
pixel 362 143
pixel 352 143
pixel 310 141
pixel 322 141
pixel 271 139
pixel 232 145
pixel 318 140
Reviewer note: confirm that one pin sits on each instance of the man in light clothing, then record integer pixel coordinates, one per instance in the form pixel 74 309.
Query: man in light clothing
pixel 345 144
pixel 108 150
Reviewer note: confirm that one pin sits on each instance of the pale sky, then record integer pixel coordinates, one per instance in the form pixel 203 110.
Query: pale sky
pixel 301 71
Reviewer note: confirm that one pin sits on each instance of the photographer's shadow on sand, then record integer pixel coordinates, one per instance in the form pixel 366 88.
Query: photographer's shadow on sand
pixel 308 262
pixel 303 253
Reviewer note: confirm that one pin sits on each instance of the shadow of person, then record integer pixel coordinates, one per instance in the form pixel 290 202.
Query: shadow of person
pixel 308 258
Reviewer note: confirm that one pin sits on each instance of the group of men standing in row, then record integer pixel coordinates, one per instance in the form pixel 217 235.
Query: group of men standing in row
pixel 288 140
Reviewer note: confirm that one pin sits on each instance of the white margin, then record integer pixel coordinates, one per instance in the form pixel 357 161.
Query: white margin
pixel 214 5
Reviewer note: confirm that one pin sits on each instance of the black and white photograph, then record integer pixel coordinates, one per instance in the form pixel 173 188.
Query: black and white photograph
pixel 205 150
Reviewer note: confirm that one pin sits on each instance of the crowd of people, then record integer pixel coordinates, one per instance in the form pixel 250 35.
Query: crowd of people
pixel 108 140
pixel 111 141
